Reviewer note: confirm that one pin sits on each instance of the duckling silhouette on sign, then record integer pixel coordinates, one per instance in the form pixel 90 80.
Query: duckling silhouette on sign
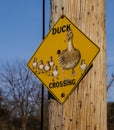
pixel 83 66
pixel 51 62
pixel 55 73
pixel 47 68
pixel 41 67
pixel 35 64
pixel 70 57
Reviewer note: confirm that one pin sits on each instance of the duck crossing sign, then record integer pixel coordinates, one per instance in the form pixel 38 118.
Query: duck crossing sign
pixel 63 58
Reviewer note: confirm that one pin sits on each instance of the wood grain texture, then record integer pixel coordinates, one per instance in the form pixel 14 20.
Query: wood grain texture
pixel 85 109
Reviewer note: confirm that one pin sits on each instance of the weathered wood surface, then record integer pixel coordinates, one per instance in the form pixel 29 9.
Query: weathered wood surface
pixel 85 109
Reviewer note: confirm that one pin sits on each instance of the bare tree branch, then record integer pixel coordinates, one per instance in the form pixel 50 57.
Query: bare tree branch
pixel 110 83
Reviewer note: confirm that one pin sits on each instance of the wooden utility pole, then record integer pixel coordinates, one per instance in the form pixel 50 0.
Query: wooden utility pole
pixel 85 109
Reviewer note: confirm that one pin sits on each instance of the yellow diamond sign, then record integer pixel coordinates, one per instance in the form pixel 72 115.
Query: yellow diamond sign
pixel 63 58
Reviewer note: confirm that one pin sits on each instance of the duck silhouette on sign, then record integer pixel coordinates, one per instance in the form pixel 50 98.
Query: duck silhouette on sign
pixel 70 57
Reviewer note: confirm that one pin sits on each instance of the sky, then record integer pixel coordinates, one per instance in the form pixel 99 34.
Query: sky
pixel 21 28
pixel 21 31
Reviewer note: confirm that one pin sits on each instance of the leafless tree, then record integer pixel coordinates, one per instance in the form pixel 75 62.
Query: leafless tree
pixel 21 90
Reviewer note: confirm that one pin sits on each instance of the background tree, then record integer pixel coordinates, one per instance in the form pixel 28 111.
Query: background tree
pixel 4 114
pixel 110 105
pixel 21 91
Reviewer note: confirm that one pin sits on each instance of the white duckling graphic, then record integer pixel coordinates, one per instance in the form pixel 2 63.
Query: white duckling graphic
pixel 51 62
pixel 83 66
pixel 70 57
pixel 47 68
pixel 41 67
pixel 35 64
pixel 55 73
